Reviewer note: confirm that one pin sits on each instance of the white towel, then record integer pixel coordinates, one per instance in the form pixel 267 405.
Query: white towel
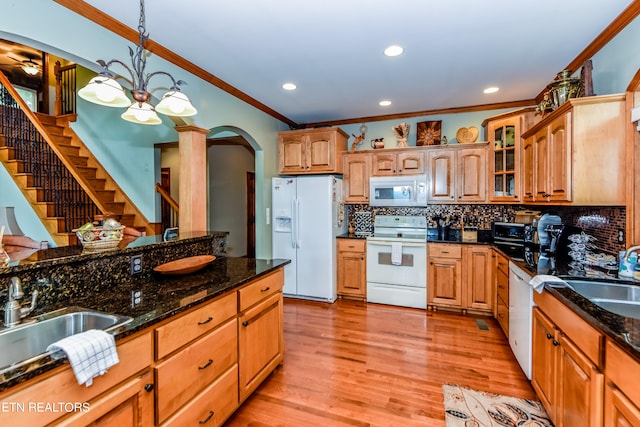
pixel 90 354
pixel 537 282
pixel 396 253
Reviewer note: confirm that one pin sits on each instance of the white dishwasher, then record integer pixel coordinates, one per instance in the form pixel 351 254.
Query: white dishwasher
pixel 520 307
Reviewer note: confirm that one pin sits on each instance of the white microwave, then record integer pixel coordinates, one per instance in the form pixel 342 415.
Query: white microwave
pixel 408 190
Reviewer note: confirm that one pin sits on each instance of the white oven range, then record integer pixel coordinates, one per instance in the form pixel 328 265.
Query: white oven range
pixel 397 261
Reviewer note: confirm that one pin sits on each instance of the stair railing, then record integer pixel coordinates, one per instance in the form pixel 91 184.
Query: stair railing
pixel 65 102
pixel 41 158
pixel 169 207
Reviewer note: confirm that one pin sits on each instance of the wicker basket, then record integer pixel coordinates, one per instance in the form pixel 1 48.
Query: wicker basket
pixel 100 238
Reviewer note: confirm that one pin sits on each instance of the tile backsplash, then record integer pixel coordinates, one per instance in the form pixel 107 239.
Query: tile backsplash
pixel 604 223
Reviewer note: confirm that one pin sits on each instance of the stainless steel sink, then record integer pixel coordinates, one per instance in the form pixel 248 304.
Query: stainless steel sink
pixel 618 298
pixel 28 342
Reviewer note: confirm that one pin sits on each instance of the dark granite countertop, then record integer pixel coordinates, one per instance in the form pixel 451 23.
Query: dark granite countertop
pixel 160 297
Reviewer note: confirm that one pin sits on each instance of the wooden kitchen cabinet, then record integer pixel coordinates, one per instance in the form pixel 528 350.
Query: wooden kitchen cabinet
pixel 501 278
pixel 311 151
pixel 457 174
pixel 504 135
pixel 477 269
pixel 410 161
pixel 621 394
pixel 260 331
pixel 355 179
pixel 444 287
pixel 119 397
pixel 352 268
pixel 576 155
pixel 567 366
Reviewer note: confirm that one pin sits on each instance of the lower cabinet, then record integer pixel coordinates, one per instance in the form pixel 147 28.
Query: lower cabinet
pixel 566 367
pixel 501 280
pixel 460 277
pixel 352 268
pixel 621 394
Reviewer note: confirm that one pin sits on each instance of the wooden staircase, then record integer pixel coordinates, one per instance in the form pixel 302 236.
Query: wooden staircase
pixel 94 190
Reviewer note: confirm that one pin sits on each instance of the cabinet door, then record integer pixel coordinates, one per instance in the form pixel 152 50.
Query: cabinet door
pixel 384 164
pixel 472 175
pixel 130 405
pixel 541 165
pixel 260 343
pixel 528 171
pixel 504 175
pixel 477 277
pixel 579 386
pixel 559 152
pixel 411 163
pixel 543 360
pixel 355 182
pixel 320 152
pixel 441 175
pixel 291 153
pixel 618 410
pixel 352 274
pixel 445 282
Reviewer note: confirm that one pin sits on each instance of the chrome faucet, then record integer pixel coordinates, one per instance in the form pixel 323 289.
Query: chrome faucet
pixel 13 311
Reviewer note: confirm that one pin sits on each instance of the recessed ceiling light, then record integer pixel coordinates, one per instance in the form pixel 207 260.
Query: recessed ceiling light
pixel 385 103
pixel 289 86
pixel 393 50
pixel 492 89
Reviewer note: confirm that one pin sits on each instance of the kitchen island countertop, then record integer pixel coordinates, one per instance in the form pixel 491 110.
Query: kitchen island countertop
pixel 153 300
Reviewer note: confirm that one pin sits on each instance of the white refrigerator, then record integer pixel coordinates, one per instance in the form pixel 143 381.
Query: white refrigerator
pixel 308 214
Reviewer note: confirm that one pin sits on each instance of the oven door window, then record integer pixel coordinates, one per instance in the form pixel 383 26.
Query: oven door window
pixel 411 272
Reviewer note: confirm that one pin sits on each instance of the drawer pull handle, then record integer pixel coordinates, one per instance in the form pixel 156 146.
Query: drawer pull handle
pixel 207 419
pixel 549 336
pixel 555 343
pixel 204 322
pixel 265 289
pixel 206 365
pixel 148 387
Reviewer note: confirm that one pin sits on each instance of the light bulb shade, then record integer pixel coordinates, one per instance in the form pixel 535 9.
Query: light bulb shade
pixel 103 90
pixel 176 103
pixel 141 113
pixel 30 68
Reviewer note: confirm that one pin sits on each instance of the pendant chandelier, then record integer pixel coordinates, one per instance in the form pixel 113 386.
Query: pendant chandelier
pixel 105 90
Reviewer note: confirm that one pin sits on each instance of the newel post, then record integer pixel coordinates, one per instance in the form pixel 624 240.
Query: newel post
pixel 192 147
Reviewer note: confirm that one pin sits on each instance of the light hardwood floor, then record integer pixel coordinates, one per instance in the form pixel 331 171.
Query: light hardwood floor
pixel 357 364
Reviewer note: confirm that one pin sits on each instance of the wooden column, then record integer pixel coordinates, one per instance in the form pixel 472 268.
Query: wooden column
pixel 192 146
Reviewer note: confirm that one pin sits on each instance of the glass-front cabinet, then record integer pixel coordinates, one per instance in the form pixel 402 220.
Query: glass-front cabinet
pixel 503 133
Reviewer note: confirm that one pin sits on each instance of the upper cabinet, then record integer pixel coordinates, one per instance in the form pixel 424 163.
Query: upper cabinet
pixel 355 180
pixel 311 151
pixel 504 135
pixel 457 173
pixel 576 154
pixel 403 162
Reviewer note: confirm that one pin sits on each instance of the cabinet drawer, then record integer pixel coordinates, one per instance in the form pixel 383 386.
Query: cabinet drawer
pixel 213 405
pixel 184 375
pixel 584 336
pixel 444 250
pixel 134 355
pixel 624 371
pixel 261 289
pixel 178 332
pixel 502 283
pixel 502 313
pixel 351 245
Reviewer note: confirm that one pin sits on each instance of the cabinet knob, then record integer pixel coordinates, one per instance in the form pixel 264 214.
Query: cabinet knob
pixel 555 343
pixel 148 387
pixel 245 323
pixel 549 336
pixel 265 289
pixel 206 420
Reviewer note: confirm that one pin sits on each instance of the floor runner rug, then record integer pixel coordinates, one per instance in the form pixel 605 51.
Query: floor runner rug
pixel 465 407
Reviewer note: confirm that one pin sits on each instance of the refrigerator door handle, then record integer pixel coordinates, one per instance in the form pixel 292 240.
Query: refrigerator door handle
pixel 293 223
pixel 297 223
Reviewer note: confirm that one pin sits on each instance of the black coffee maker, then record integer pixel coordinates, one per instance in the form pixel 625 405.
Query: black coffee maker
pixel 541 240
